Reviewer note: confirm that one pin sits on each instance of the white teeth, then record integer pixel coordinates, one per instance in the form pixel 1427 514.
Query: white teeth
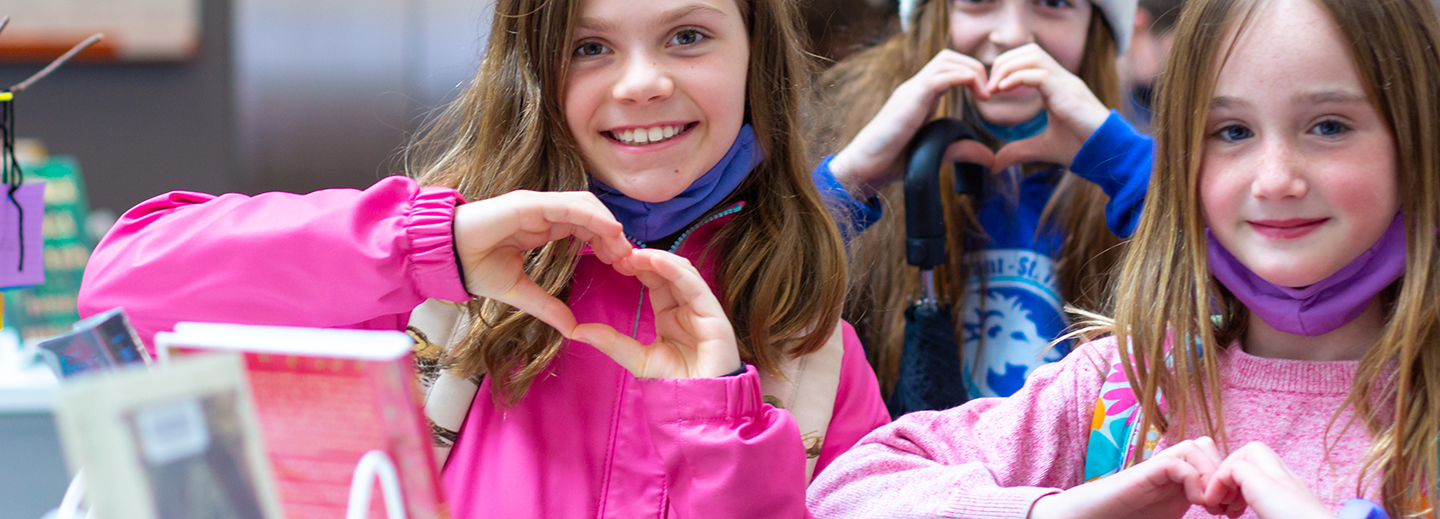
pixel 647 135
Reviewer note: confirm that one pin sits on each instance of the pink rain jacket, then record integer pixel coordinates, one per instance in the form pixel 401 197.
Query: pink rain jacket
pixel 588 440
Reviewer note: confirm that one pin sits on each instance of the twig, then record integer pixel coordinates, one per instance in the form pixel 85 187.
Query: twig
pixel 56 64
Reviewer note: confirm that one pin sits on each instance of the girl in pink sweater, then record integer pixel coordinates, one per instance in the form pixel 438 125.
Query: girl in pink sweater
pixel 1279 358
pixel 705 373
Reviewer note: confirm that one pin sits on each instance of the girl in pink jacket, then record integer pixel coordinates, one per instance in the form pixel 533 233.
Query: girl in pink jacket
pixel 618 381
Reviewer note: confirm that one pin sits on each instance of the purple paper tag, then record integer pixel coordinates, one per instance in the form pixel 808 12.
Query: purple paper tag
pixel 13 272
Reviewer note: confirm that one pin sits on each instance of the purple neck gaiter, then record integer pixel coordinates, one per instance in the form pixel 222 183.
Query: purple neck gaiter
pixel 1324 306
pixel 646 221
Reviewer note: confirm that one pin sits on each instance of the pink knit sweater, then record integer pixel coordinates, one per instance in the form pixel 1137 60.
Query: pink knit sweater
pixel 995 457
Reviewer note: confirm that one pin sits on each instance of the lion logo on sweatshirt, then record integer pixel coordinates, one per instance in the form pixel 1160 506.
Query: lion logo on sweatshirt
pixel 1008 323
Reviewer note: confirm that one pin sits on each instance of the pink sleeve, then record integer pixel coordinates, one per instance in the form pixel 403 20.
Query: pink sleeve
pixel 859 408
pixel 727 453
pixel 332 258
pixel 992 457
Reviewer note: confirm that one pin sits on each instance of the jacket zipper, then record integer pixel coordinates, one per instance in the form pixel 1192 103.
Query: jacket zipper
pixel 640 305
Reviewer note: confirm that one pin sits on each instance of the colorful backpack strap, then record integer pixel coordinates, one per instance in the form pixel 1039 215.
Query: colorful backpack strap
pixel 1115 428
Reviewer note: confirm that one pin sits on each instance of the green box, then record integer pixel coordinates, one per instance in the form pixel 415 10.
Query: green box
pixel 49 309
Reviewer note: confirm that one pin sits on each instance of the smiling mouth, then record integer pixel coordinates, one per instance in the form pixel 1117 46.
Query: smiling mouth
pixel 650 135
pixel 1287 229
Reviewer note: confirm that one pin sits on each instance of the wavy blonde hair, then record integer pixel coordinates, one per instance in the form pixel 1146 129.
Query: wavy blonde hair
pixel 1165 289
pixel 780 261
pixel 853 91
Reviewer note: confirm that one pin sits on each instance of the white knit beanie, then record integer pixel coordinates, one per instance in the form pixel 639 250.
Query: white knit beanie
pixel 1120 14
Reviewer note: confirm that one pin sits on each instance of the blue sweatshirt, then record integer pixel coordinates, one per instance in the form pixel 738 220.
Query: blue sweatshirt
pixel 1020 310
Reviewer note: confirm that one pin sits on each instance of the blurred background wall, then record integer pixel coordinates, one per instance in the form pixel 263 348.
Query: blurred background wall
pixel 282 95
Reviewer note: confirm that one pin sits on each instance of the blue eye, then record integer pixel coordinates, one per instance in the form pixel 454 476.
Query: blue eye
pixel 1234 133
pixel 687 37
pixel 1330 128
pixel 590 49
pixel 1057 4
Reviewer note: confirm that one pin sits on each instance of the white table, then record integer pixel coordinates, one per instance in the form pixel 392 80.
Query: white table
pixel 32 390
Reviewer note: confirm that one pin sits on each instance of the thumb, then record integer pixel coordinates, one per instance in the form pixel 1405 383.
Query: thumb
pixel 530 298
pixel 1035 149
pixel 625 351
pixel 970 152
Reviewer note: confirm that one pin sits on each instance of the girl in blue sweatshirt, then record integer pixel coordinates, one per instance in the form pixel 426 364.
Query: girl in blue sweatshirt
pixel 1066 175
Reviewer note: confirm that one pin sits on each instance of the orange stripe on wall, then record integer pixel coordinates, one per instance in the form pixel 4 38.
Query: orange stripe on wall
pixel 44 52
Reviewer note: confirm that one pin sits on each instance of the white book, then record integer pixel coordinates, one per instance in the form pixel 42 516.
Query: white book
pixel 176 442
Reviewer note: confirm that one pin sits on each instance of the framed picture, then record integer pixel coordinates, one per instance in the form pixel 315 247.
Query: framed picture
pixel 135 30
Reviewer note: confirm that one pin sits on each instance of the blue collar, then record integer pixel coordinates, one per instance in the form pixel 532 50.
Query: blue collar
pixel 1034 127
pixel 646 221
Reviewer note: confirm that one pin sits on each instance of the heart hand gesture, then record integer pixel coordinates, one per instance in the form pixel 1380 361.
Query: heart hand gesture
pixel 1074 111
pixel 694 338
pixel 492 236
pixel 1162 487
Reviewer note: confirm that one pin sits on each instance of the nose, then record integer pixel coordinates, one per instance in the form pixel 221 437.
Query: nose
pixel 643 80
pixel 1280 174
pixel 1011 28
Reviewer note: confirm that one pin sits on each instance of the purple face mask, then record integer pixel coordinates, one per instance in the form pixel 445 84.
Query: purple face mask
pixel 1324 306
pixel 646 221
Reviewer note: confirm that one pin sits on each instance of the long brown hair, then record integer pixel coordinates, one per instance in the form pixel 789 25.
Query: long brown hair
pixel 1165 291
pixel 852 93
pixel 780 261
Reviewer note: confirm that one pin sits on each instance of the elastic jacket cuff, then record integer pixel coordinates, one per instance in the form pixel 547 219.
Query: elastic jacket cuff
pixel 702 399
pixel 857 216
pixel 429 225
pixel 1114 138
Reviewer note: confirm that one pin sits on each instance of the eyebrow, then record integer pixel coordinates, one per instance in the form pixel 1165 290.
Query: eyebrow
pixel 1314 98
pixel 1223 102
pixel 1332 96
pixel 666 18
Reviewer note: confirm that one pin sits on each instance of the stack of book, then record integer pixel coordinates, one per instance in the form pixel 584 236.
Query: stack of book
pixel 321 400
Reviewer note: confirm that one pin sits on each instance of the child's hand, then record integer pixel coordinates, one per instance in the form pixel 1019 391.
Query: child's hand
pixel 1163 486
pixel 873 159
pixel 1256 477
pixel 492 235
pixel 1075 113
pixel 693 336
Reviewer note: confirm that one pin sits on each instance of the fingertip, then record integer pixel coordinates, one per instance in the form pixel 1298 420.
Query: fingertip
pixel 564 323
pixel 1001 162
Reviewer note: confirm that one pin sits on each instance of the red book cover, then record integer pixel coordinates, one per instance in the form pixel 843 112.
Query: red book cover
pixel 325 398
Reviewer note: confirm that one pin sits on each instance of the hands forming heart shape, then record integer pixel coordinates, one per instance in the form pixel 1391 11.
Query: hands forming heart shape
pixel 1190 473
pixel 873 159
pixel 694 337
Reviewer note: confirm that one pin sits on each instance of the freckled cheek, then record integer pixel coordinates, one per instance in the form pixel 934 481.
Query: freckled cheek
pixel 1362 186
pixel 1222 192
